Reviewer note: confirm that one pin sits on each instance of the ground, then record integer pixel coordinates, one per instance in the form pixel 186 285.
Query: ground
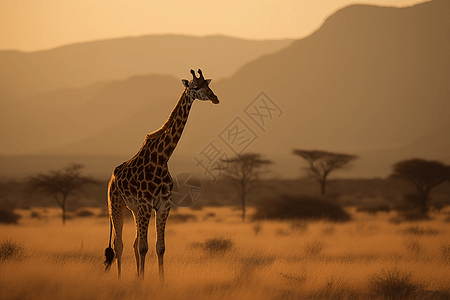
pixel 212 254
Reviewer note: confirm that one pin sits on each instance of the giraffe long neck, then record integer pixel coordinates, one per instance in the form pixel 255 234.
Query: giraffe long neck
pixel 164 140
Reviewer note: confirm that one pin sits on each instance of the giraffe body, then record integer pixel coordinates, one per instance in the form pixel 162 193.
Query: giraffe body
pixel 144 183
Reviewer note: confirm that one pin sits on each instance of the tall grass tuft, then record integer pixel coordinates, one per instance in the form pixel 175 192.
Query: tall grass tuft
pixel 445 250
pixel 392 285
pixel 313 248
pixel 10 250
pixel 218 245
pixel 335 289
pixel 416 230
pixel 413 246
pixel 257 228
pixel 299 225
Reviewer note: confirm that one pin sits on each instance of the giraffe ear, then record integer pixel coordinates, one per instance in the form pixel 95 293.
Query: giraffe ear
pixel 185 83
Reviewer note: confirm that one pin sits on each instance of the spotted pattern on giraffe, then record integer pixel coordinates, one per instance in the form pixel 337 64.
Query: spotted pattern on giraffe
pixel 143 183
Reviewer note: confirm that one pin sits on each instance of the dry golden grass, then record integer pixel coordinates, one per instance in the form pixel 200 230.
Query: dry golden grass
pixel 277 260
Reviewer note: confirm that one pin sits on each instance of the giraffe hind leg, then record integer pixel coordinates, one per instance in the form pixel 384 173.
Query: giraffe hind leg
pixel 136 247
pixel 117 213
pixel 109 252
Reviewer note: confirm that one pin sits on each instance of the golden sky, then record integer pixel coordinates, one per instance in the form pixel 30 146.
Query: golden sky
pixel 31 25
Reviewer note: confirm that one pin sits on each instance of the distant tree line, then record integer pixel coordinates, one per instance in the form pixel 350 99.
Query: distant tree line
pixel 245 172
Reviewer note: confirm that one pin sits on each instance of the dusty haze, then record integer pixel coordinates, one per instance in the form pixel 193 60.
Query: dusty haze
pixel 371 81
pixel 36 25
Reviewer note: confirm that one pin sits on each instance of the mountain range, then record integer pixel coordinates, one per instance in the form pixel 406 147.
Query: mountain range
pixel 79 65
pixel 371 81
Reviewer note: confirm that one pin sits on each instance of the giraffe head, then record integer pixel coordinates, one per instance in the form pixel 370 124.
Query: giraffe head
pixel 200 87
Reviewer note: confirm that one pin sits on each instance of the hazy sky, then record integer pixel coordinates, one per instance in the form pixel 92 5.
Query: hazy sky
pixel 32 25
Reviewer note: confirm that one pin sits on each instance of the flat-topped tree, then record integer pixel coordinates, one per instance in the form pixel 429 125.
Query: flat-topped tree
pixel 423 174
pixel 244 172
pixel 322 163
pixel 61 184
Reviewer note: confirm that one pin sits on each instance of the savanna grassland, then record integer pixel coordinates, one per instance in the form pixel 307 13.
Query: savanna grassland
pixel 212 254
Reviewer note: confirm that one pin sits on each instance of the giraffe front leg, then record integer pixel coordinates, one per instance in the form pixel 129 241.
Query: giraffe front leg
pixel 161 217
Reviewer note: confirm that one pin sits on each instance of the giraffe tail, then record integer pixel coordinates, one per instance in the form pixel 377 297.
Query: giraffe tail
pixel 109 252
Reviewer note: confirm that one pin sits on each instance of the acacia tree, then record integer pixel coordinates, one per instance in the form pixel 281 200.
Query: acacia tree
pixel 244 173
pixel 322 163
pixel 61 184
pixel 423 174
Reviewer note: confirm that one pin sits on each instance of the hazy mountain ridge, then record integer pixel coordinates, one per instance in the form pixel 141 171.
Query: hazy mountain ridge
pixel 390 80
pixel 96 108
pixel 80 64
pixel 371 81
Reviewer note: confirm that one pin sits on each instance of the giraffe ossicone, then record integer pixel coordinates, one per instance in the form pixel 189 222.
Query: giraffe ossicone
pixel 143 183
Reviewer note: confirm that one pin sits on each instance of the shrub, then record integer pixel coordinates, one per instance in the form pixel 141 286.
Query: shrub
pixel 409 208
pixel 296 280
pixel 300 207
pixel 282 232
pixel 301 226
pixel 413 216
pixel 416 230
pixel 328 230
pixel 392 285
pixel 374 209
pixel 85 213
pixel 210 215
pixel 409 202
pixel 182 218
pixel 413 246
pixel 313 248
pixel 35 214
pixel 257 228
pixel 335 289
pixel 8 216
pixel 216 245
pixel 445 249
pixel 10 250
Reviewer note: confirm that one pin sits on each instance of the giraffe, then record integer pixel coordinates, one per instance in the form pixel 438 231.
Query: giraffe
pixel 144 183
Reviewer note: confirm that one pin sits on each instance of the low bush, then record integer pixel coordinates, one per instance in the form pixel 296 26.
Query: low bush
pixel 283 232
pixel 35 214
pixel 417 230
pixel 215 245
pixel 329 230
pixel 409 202
pixel 300 207
pixel 182 218
pixel 392 285
pixel 257 228
pixel 8 216
pixel 374 209
pixel 413 246
pixel 210 215
pixel 85 214
pixel 10 250
pixel 445 250
pixel 299 225
pixel 313 248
